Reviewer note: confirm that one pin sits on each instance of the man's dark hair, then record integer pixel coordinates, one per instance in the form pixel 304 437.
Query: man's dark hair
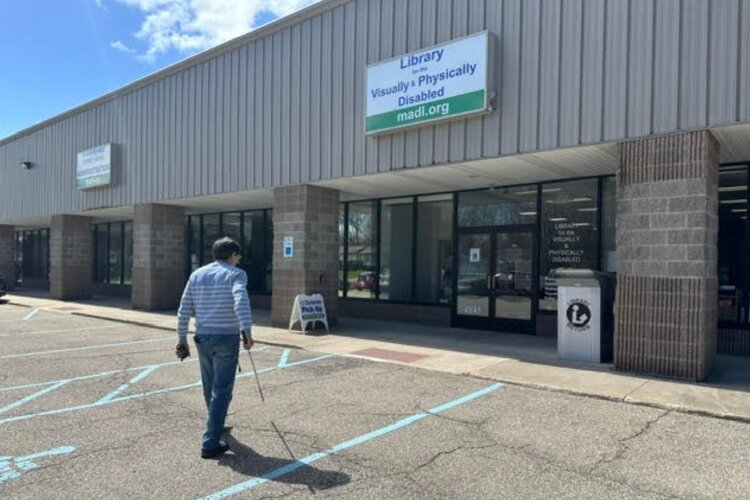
pixel 223 248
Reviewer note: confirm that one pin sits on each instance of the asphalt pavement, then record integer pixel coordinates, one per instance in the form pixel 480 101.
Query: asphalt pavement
pixel 95 408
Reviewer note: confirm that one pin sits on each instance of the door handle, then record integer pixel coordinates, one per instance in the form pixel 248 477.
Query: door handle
pixel 489 282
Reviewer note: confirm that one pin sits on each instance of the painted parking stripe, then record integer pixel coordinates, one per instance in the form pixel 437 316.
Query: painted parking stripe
pixel 73 349
pixel 31 397
pixel 284 357
pixel 111 372
pixel 142 395
pixel 281 471
pixel 145 373
pixel 31 314
pixel 67 330
pixel 93 375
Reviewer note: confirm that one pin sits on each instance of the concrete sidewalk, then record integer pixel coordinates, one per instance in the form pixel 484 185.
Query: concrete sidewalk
pixel 511 358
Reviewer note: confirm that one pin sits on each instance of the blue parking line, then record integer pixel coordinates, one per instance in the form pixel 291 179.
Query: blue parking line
pixel 111 372
pixel 73 349
pixel 67 330
pixel 93 375
pixel 252 483
pixel 145 373
pixel 284 357
pixel 31 397
pixel 142 395
pixel 31 315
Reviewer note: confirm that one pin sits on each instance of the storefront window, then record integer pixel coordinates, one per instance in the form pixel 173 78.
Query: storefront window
pixel 127 257
pixel 255 258
pixel 268 214
pixel 32 255
pixel 396 246
pixel 569 237
pixel 44 253
pixel 434 276
pixel 252 230
pixel 609 233
pixel 19 258
pixel 342 249
pixel 211 233
pixel 194 254
pixel 115 253
pixel 101 238
pixel 497 207
pixel 362 245
pixel 230 226
pixel 733 243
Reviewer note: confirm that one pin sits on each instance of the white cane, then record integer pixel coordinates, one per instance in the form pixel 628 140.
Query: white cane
pixel 255 373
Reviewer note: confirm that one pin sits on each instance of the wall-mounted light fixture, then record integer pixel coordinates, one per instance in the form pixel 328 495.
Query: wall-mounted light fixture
pixel 26 165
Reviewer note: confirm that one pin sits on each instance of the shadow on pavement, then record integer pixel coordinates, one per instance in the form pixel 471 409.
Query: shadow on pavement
pixel 248 462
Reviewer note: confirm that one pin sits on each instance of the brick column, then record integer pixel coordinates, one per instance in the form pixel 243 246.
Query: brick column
pixel 70 257
pixel 310 215
pixel 8 255
pixel 667 229
pixel 158 256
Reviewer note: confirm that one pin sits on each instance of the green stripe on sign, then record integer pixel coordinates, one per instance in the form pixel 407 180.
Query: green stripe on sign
pixel 93 181
pixel 473 101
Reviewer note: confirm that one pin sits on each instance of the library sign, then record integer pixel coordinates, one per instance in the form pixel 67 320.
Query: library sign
pixel 437 83
pixel 94 167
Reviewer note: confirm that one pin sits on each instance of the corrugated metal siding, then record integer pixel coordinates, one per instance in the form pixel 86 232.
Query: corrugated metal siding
pixel 288 108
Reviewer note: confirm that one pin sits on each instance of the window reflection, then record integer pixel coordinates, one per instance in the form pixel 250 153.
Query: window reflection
pixel 362 258
pixel 253 230
pixel 397 230
pixel 569 236
pixel 434 249
pixel 733 242
pixel 497 206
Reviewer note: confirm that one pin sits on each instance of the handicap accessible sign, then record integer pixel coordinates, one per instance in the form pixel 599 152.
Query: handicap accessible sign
pixel 436 83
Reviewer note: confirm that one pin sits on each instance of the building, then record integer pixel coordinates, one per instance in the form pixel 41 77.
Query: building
pixel 604 134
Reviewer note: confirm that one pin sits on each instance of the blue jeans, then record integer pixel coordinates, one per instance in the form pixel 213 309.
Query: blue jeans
pixel 218 355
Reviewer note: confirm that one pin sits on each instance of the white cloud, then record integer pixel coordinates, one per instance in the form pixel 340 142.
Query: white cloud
pixel 194 25
pixel 117 44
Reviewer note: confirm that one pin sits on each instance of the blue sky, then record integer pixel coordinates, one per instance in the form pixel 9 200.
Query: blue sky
pixel 57 54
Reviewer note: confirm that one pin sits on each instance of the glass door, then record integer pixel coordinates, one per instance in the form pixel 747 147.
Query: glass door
pixel 496 279
pixel 514 280
pixel 472 289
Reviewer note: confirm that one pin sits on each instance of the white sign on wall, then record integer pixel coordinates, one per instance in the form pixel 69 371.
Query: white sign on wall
pixel 436 83
pixel 94 167
pixel 288 246
pixel 474 255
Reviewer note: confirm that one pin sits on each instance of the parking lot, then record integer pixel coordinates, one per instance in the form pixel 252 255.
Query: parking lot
pixel 93 408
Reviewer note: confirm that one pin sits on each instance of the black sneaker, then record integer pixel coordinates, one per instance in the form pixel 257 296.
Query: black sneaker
pixel 215 452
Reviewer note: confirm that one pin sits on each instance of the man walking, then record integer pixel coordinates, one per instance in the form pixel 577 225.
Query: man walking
pixel 217 295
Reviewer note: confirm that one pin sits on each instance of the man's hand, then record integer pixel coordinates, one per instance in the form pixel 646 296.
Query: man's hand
pixel 182 351
pixel 247 341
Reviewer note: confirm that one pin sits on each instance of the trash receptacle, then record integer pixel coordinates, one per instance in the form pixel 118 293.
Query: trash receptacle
pixel 584 305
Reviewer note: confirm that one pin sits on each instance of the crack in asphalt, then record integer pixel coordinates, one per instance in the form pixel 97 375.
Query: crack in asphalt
pixel 623 443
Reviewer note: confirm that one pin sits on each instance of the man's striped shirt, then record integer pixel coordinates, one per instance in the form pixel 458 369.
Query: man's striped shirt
pixel 216 294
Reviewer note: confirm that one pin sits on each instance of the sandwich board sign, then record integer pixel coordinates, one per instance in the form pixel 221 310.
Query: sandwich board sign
pixel 308 309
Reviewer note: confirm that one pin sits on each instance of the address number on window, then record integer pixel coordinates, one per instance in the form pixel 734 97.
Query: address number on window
pixel 472 310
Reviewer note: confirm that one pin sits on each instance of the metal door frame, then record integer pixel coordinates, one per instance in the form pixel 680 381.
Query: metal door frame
pixel 492 322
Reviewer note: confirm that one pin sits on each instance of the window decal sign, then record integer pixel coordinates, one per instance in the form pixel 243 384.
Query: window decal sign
pixel 474 255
